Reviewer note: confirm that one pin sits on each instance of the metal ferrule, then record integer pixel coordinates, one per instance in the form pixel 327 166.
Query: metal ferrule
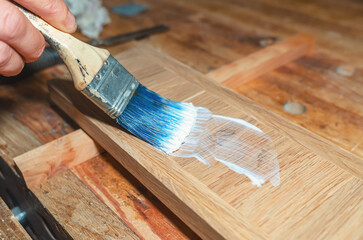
pixel 112 88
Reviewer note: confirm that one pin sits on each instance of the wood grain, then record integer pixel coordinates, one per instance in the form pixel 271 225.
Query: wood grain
pixel 55 157
pixel 10 228
pixel 79 211
pixel 314 195
pixel 263 61
pixel 143 213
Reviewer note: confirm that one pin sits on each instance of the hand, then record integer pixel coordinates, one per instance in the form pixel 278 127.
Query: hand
pixel 20 41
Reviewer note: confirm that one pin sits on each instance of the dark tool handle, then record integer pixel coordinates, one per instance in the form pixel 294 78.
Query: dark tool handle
pixel 48 59
pixel 126 37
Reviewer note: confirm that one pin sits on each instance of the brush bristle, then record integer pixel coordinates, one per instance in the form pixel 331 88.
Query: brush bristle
pixel 157 120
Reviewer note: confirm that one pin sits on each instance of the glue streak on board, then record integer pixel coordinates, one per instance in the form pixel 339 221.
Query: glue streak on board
pixel 239 145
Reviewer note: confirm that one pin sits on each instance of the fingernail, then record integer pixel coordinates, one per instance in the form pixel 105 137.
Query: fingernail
pixel 71 22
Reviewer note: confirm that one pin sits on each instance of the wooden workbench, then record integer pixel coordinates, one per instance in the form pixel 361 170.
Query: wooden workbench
pixel 204 35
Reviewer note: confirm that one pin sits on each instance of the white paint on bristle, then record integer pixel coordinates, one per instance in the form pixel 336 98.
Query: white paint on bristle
pixel 239 145
pixel 186 124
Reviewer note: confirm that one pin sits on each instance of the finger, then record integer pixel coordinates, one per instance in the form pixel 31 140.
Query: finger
pixel 17 31
pixel 11 62
pixel 54 12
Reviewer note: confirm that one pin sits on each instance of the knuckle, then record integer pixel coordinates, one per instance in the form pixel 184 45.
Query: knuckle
pixel 10 23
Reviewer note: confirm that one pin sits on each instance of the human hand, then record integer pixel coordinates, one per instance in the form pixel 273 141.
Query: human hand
pixel 20 41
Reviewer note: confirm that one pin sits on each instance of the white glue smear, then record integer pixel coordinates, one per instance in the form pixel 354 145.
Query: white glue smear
pixel 239 145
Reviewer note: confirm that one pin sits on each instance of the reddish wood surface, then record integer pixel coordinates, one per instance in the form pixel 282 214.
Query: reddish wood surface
pixel 130 200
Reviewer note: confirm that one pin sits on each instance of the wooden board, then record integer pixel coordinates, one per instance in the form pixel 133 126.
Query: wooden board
pixel 10 228
pixel 55 157
pixel 68 152
pixel 78 211
pixel 137 207
pixel 62 208
pixel 319 195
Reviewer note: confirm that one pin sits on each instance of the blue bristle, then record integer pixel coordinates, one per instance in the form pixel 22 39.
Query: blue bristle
pixel 157 120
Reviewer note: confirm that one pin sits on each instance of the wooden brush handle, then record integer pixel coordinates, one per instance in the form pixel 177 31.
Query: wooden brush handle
pixel 83 60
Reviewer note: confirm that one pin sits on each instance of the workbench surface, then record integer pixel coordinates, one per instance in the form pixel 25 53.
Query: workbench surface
pixel 205 35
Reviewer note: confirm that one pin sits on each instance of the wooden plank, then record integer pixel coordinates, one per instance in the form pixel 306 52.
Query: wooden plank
pixel 79 211
pixel 218 203
pixel 12 131
pixel 263 61
pixel 55 157
pixel 137 207
pixel 200 209
pixel 10 228
pixel 63 208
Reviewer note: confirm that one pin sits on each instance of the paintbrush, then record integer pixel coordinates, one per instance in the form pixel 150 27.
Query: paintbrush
pixel 102 79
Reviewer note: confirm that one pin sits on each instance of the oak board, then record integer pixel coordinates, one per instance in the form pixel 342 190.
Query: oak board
pixel 320 192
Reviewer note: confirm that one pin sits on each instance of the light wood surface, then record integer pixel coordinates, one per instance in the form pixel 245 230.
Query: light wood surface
pixel 263 61
pixel 316 199
pixel 10 228
pixel 55 157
